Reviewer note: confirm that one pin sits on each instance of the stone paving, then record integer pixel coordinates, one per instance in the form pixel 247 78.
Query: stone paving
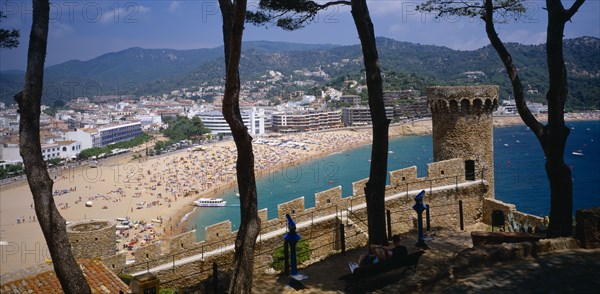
pixel 506 268
pixel 570 271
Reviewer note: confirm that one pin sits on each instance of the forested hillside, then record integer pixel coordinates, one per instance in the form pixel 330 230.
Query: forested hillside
pixel 405 65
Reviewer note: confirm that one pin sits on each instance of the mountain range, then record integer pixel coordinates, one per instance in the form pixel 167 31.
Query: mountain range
pixel 140 71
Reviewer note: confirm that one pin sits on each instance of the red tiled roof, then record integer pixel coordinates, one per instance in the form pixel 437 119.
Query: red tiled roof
pixel 100 279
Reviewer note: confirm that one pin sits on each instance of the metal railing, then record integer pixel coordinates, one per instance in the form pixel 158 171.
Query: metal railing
pixel 320 243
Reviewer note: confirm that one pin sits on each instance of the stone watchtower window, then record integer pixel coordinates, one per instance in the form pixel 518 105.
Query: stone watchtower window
pixel 328 200
pixel 470 170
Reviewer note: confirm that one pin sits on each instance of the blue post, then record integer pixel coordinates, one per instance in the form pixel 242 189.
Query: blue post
pixel 419 207
pixel 291 238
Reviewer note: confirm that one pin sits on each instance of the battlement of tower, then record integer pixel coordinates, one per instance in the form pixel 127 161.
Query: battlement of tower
pixel 463 99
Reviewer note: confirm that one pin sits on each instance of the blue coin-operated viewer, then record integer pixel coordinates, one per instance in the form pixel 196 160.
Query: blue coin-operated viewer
pixel 419 207
pixel 291 238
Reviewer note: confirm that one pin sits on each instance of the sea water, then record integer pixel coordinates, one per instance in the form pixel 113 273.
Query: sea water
pixel 519 173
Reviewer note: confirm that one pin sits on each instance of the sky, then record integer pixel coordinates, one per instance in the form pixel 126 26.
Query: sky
pixel 86 29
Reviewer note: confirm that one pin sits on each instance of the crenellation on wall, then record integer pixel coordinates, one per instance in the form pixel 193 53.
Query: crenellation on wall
pixel 115 262
pixel 218 232
pixel 262 214
pixel 293 207
pixel 148 254
pixel 324 236
pixel 401 177
pixel 182 242
pixel 400 204
pixel 272 225
pixel 446 172
pixel 358 187
pixel 329 198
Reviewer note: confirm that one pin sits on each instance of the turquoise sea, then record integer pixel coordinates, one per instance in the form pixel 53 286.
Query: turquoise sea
pixel 519 173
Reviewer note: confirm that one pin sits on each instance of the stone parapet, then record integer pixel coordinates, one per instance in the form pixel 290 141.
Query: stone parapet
pixel 463 99
pixel 92 238
pixel 513 220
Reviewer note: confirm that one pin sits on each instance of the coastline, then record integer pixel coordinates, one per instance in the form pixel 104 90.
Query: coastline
pixel 415 128
pixel 126 181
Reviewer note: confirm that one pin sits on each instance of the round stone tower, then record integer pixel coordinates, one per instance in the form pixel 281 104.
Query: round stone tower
pixel 92 238
pixel 463 128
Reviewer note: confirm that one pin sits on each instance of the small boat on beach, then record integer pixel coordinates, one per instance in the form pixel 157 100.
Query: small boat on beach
pixel 210 202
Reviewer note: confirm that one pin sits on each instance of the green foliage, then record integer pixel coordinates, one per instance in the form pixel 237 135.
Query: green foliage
pixel 125 278
pixel 288 15
pixel 54 161
pixel 92 152
pixel 302 254
pixel 8 38
pixel 160 145
pixel 167 291
pixel 50 111
pixel 183 128
pixel 11 169
pixel 405 66
pixel 96 151
pixel 504 9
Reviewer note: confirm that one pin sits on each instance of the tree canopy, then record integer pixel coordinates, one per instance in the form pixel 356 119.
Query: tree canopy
pixel 183 128
pixel 8 38
pixel 288 15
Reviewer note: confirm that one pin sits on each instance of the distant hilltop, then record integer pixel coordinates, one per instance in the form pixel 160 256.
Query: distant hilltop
pixel 137 71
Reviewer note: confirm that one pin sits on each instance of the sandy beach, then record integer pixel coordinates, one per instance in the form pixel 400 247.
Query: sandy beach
pixel 159 190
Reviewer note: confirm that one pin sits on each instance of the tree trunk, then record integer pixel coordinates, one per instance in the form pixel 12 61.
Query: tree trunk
pixel 553 136
pixel 556 132
pixel 375 187
pixel 29 100
pixel 233 26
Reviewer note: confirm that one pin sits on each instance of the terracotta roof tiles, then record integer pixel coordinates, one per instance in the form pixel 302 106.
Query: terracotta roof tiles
pixel 98 276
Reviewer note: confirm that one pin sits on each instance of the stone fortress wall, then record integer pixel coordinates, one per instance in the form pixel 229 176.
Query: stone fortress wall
pixel 463 172
pixel 445 186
